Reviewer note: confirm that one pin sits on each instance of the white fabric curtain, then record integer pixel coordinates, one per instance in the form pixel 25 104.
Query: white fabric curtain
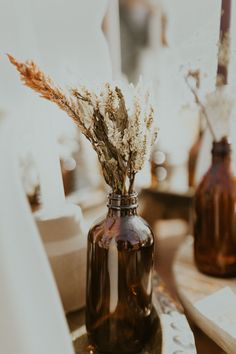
pixel 32 319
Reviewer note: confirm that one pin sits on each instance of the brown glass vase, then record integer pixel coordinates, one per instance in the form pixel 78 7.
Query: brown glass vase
pixel 214 229
pixel 119 279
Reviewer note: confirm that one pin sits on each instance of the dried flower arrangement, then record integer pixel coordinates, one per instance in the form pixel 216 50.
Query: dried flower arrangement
pixel 218 104
pixel 217 107
pixel 120 124
pixel 194 87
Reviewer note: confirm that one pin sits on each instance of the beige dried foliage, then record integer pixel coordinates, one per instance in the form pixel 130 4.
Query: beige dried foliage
pixel 122 134
pixel 34 78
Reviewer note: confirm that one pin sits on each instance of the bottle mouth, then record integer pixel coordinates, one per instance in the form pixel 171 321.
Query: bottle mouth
pixel 123 201
pixel 222 147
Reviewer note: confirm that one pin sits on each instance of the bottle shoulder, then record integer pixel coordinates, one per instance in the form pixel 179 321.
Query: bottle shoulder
pixel 128 231
pixel 217 178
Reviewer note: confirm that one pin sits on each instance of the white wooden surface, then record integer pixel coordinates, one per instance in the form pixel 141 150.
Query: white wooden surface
pixel 193 286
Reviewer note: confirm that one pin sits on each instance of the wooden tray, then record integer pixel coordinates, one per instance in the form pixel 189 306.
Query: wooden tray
pixel 172 333
pixel 193 286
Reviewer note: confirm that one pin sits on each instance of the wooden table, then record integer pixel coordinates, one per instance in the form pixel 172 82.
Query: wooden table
pixel 159 204
pixel 193 286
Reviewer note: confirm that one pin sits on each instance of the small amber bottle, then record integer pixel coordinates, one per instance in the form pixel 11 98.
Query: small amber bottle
pixel 214 229
pixel 119 279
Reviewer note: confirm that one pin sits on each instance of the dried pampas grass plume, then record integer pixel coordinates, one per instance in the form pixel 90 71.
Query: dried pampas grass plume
pixel 38 81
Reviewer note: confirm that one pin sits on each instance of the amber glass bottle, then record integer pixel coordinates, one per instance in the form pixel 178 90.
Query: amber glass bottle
pixel 214 229
pixel 119 277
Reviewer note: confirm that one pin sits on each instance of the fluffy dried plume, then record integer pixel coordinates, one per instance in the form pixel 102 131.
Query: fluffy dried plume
pixel 34 78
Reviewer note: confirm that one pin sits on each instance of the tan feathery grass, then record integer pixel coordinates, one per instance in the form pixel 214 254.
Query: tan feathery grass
pixel 121 136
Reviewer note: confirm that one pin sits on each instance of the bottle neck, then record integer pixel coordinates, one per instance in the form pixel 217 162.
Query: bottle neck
pixel 221 152
pixel 216 159
pixel 122 205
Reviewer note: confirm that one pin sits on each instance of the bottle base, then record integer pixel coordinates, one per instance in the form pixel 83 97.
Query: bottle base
pixel 118 348
pixel 126 345
pixel 214 271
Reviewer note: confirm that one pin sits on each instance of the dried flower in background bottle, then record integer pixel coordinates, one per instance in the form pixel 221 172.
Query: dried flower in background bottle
pixel 214 229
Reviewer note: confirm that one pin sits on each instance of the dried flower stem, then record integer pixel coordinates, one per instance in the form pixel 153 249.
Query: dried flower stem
pixel 195 76
pixel 224 43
